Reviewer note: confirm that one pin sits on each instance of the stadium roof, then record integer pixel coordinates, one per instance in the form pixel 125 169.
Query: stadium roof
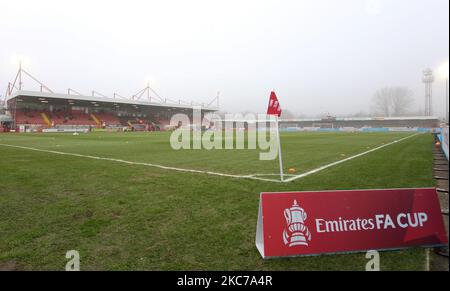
pixel 15 90
pixel 98 99
pixel 319 120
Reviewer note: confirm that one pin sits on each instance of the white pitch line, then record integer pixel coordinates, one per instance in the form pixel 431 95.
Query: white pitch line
pixel 251 177
pixel 263 175
pixel 346 160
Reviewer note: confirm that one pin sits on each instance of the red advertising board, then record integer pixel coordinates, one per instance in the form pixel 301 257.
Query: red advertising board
pixel 312 223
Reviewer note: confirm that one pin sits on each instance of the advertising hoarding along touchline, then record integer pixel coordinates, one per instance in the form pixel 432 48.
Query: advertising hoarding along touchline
pixel 313 223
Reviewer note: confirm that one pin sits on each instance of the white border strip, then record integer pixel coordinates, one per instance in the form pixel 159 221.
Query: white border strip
pixel 251 176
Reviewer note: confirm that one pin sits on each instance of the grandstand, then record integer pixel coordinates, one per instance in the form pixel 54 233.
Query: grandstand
pixel 44 110
pixel 381 124
pixel 399 123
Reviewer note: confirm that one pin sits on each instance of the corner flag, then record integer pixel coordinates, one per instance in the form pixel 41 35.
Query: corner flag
pixel 274 108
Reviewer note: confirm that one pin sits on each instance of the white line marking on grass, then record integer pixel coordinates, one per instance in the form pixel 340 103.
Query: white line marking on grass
pixel 251 177
pixel 263 175
pixel 346 160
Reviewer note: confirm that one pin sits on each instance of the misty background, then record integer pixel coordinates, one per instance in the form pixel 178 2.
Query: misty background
pixel 321 56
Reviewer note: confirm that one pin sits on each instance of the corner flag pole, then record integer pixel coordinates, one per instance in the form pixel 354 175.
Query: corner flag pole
pixel 274 109
pixel 280 158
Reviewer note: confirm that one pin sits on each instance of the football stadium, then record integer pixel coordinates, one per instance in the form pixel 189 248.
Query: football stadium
pixel 109 181
pixel 100 173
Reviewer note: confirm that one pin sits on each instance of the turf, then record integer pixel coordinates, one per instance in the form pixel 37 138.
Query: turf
pixel 302 151
pixel 132 217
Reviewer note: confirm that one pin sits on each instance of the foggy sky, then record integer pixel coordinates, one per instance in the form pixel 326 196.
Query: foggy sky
pixel 319 55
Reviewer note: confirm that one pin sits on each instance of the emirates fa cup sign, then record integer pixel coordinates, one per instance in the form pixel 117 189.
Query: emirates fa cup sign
pixel 312 223
pixel 296 233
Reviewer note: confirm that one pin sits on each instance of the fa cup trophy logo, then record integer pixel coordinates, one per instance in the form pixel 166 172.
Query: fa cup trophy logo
pixel 296 233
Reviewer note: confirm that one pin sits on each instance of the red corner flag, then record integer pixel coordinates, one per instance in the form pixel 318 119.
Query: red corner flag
pixel 274 106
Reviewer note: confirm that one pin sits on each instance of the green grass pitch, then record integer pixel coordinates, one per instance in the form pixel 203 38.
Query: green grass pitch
pixel 136 217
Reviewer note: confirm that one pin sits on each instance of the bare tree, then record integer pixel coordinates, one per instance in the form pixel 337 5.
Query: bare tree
pixel 393 101
pixel 381 102
pixel 401 101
